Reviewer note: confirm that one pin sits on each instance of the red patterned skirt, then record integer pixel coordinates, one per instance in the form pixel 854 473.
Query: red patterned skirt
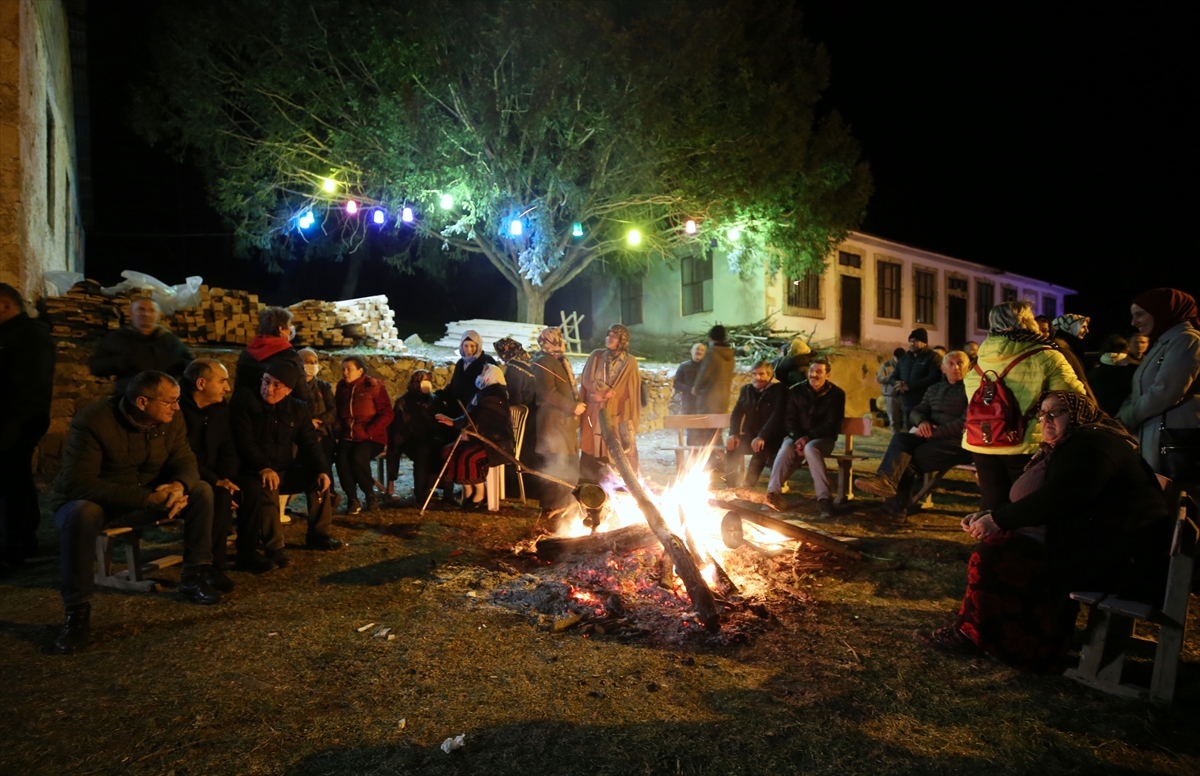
pixel 470 464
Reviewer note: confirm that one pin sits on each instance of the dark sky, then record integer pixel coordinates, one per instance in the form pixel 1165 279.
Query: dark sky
pixel 1046 142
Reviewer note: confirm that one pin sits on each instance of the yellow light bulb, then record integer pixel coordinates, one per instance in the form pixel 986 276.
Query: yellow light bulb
pixel 634 237
pixel 329 184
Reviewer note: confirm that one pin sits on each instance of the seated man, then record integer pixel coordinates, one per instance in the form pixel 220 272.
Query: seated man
pixel 810 422
pixel 936 444
pixel 750 431
pixel 268 424
pixel 205 386
pixel 127 462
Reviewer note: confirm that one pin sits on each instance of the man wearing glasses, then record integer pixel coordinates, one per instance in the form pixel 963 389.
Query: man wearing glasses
pixel 127 462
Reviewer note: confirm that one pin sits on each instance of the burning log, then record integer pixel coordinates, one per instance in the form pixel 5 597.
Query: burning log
pixel 825 541
pixel 685 566
pixel 621 540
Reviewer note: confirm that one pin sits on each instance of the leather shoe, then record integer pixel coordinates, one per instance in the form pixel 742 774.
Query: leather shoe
pixel 194 589
pixel 76 630
pixel 217 579
pixel 254 562
pixel 353 507
pixel 371 504
pixel 279 558
pixel 777 502
pixel 826 507
pixel 319 541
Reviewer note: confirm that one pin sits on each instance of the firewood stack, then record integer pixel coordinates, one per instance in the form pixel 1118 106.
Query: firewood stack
pixel 224 315
pixel 366 321
pixel 85 313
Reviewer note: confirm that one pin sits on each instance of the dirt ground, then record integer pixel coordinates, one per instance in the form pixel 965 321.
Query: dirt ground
pixel 827 679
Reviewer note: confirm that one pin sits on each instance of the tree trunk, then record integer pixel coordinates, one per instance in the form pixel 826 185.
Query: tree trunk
pixel 531 302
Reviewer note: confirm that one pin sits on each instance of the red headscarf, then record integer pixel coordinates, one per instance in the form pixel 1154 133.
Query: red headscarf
pixel 1170 307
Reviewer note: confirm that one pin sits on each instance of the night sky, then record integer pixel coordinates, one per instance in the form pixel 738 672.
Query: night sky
pixel 1045 142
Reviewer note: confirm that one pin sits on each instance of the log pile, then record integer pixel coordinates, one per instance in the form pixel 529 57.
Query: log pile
pixel 367 321
pixel 85 313
pixel 224 315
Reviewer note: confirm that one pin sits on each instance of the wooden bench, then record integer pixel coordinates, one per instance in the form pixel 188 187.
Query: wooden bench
pixel 923 499
pixel 133 576
pixel 1110 622
pixel 712 423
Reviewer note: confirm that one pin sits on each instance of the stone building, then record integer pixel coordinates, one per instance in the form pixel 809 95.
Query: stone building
pixel 42 104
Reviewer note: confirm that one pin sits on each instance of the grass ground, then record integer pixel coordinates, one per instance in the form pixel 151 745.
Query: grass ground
pixel 278 680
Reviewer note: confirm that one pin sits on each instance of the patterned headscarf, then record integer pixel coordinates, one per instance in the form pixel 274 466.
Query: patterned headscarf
pixel 1170 307
pixel 510 350
pixel 622 336
pixel 414 380
pixel 1070 324
pixel 1084 413
pixel 551 341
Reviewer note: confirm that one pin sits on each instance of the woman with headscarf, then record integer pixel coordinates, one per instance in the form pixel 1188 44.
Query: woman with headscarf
pixel 522 390
pixel 364 412
pixel 488 416
pixel 1105 527
pixel 416 433
pixel 1165 391
pixel 466 371
pixel 610 381
pixel 1038 367
pixel 557 424
pixel 1068 332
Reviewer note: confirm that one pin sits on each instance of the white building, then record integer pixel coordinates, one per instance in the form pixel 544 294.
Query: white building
pixel 872 293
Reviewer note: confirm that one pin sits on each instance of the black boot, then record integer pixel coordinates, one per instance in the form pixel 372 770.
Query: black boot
pixel 76 630
pixel 217 579
pixel 253 561
pixel 195 589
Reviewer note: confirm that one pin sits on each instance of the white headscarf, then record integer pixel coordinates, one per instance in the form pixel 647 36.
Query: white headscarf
pixel 491 375
pixel 470 334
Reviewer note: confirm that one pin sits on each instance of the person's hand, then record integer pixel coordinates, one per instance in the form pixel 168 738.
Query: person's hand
pixel 324 481
pixel 177 506
pixel 228 485
pixel 800 445
pixel 731 443
pixel 983 527
pixel 316 423
pixel 925 429
pixel 580 408
pixel 901 386
pixel 445 421
pixel 757 444
pixel 693 392
pixel 270 479
pixel 971 518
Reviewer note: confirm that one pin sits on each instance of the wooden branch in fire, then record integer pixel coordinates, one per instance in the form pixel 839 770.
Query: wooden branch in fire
pixel 825 541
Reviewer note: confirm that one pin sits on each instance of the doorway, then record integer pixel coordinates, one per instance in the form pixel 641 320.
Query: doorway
pixel 851 328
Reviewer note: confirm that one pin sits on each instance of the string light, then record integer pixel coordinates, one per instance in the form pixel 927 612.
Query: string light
pixel 447 202
pixel 378 216
pixel 577 229
pixel 634 237
pixel 406 215
pixel 690 226
pixel 351 207
pixel 329 184
pixel 515 227
pixel 306 219
pixel 735 234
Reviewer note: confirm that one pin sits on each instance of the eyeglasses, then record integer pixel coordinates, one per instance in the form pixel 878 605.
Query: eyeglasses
pixel 164 402
pixel 1051 415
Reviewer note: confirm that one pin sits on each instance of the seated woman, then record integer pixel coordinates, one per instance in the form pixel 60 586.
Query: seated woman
pixel 488 416
pixel 416 433
pixel 1106 528
pixel 461 388
pixel 363 414
pixel 323 407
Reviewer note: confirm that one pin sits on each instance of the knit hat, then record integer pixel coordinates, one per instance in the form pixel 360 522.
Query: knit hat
pixel 920 335
pixel 285 372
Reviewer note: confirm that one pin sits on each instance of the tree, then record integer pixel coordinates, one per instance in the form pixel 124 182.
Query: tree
pixel 561 115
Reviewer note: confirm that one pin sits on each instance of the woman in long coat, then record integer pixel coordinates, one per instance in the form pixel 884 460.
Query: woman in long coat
pixel 557 422
pixel 1165 392
pixel 610 381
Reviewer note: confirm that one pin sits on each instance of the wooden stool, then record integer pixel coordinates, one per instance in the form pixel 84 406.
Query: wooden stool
pixel 133 576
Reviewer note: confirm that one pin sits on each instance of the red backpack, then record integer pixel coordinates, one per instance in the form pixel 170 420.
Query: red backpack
pixel 994 417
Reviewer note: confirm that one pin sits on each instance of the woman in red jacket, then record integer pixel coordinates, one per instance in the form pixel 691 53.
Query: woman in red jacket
pixel 363 414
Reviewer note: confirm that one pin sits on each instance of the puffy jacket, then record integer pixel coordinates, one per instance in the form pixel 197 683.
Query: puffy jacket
pixel 126 352
pixel 263 350
pixel 807 413
pixel 918 371
pixel 1044 371
pixel 751 416
pixel 793 369
pixel 210 439
pixel 267 434
pixel 1165 383
pixel 26 378
pixel 413 419
pixel 557 425
pixel 944 406
pixel 714 380
pixel 462 382
pixel 363 411
pixel 117 464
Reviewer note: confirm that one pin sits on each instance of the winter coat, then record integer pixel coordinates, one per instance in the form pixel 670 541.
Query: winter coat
pixel 685 378
pixel 263 350
pixel 210 439
pixel 490 418
pixel 413 420
pixel 1165 382
pixel 807 413
pixel 1044 371
pixel 886 376
pixel 1112 381
pixel 624 406
pixel 462 383
pixel 267 434
pixel 27 358
pixel 751 416
pixel 793 370
pixel 714 380
pixel 522 385
pixel 557 425
pixel 324 405
pixel 364 411
pixel 1064 347
pixel 126 352
pixel 944 406
pixel 113 462
pixel 918 371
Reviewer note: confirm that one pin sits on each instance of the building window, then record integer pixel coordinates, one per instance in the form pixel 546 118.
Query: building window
pixel 50 193
pixel 924 296
pixel 888 290
pixel 1050 306
pixel 985 300
pixel 695 275
pixel 850 259
pixel 631 301
pixel 804 294
pixel 957 284
pixel 1008 294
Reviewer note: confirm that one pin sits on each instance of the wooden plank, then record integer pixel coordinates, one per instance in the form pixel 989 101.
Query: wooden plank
pixel 807 533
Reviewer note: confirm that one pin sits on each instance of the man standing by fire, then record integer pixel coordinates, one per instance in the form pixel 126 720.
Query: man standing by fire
pixel 610 381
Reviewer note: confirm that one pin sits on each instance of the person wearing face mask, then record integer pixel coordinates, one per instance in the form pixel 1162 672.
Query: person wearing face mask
pixel 468 368
pixel 141 344
pixel 272 343
pixel 750 430
pixel 324 407
pixel 364 411
pixel 934 446
pixel 415 432
pixel 488 416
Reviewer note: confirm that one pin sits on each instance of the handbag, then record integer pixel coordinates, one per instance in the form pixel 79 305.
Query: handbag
pixel 1179 452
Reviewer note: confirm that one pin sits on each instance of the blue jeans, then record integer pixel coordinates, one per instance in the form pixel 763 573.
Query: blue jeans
pixel 787 462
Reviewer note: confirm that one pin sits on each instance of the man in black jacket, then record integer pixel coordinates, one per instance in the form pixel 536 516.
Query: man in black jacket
pixel 127 462
pixel 810 422
pixel 26 384
pixel 141 345
pixel 935 445
pixel 205 386
pixel 918 369
pixel 267 424
pixel 750 431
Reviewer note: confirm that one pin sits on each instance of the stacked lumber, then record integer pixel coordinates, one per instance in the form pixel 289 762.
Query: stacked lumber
pixel 224 315
pixel 490 331
pixel 83 312
pixel 366 321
